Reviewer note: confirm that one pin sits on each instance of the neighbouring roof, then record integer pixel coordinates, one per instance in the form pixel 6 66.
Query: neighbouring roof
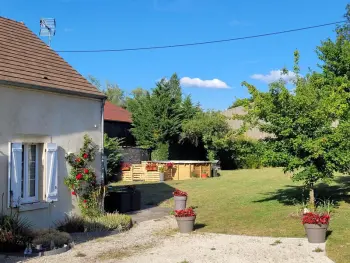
pixel 115 113
pixel 26 60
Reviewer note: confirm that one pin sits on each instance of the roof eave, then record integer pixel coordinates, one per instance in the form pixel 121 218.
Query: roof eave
pixel 52 89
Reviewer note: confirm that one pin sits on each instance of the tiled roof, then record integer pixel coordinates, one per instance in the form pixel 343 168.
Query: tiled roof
pixel 115 113
pixel 25 59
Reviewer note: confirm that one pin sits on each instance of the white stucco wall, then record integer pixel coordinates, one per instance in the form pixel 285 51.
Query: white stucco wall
pixel 41 117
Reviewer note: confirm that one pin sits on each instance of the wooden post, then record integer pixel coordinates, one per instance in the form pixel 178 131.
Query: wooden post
pixel 132 173
pixel 200 171
pixel 178 172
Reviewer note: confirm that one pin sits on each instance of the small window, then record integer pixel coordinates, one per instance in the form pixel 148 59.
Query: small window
pixel 30 178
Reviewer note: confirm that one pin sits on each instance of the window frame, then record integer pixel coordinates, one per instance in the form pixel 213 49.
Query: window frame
pixel 26 198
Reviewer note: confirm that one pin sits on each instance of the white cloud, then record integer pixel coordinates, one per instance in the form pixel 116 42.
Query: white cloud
pixel 275 75
pixel 197 82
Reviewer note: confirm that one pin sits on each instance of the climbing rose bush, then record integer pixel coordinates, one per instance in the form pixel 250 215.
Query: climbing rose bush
pixel 82 179
pixel 316 219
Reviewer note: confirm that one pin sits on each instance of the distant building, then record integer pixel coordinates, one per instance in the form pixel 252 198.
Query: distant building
pixel 117 123
pixel 253 133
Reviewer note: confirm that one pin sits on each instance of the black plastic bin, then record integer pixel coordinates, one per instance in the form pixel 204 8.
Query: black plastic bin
pixel 122 200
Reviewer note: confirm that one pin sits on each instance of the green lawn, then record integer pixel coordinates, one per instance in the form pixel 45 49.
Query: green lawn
pixel 257 202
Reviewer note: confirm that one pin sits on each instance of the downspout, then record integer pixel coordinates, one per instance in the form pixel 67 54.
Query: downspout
pixel 102 155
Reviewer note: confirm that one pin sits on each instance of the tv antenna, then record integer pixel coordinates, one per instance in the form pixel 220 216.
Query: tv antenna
pixel 47 28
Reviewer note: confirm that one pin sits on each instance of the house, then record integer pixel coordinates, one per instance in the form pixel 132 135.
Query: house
pixel 117 123
pixel 253 133
pixel 46 107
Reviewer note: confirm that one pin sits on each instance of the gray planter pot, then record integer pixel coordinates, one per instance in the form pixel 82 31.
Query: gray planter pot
pixel 186 224
pixel 316 233
pixel 161 177
pixel 180 202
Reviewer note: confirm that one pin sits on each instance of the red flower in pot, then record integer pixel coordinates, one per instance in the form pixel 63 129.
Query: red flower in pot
pixel 204 175
pixel 316 226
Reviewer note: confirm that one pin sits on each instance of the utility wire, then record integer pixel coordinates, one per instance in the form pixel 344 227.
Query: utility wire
pixel 200 43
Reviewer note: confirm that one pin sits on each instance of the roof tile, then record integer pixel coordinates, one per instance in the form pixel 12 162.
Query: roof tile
pixel 115 113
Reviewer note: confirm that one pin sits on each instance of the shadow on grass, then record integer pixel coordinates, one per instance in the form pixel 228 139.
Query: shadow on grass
pixel 199 226
pixel 291 194
pixel 152 194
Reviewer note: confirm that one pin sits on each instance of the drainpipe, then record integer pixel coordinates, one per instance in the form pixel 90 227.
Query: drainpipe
pixel 102 142
pixel 102 156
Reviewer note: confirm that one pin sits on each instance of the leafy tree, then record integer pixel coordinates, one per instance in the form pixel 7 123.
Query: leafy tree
pixel 113 151
pixel 114 94
pixel 310 124
pixel 335 55
pixel 158 116
pixel 209 127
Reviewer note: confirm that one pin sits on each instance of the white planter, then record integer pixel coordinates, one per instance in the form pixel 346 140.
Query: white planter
pixel 161 177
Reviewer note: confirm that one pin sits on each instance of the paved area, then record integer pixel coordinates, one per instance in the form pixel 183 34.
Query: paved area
pixel 158 241
pixel 149 214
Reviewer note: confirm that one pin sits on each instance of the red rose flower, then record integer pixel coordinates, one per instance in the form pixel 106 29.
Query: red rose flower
pixel 79 176
pixel 86 171
pixel 74 193
pixel 85 156
pixel 78 160
pixel 85 201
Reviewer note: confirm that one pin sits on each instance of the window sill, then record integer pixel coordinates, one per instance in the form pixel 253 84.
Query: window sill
pixel 33 206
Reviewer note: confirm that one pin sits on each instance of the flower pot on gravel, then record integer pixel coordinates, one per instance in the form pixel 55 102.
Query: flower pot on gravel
pixel 180 199
pixel 185 220
pixel 316 226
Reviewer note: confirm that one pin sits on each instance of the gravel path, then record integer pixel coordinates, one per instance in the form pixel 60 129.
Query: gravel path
pixel 156 241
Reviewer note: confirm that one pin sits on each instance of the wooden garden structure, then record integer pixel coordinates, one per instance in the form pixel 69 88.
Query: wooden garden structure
pixel 181 170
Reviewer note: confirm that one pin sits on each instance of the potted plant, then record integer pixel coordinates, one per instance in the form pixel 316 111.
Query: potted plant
pixel 126 166
pixel 316 226
pixel 185 219
pixel 180 199
pixel 151 167
pixel 161 169
pixel 204 175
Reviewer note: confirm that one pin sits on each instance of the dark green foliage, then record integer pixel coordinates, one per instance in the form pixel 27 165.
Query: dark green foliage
pixel 158 116
pixel 71 224
pixel 15 233
pixel 47 236
pixel 161 153
pixel 113 151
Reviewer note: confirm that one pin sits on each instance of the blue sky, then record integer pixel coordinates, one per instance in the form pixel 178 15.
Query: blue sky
pixel 113 24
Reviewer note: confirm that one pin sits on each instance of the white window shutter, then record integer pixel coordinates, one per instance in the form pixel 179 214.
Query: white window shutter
pixel 15 174
pixel 51 173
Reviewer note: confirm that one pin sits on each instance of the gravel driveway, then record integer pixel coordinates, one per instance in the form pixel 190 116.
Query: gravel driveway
pixel 157 241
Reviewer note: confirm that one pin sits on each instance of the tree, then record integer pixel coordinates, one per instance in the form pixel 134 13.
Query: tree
pixel 209 127
pixel 310 124
pixel 335 55
pixel 114 94
pixel 158 115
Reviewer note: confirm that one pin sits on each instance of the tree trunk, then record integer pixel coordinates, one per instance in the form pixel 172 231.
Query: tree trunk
pixel 312 199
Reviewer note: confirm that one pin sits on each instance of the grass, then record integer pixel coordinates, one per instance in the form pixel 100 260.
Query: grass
pixel 259 203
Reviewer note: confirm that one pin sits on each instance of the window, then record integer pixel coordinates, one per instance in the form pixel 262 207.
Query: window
pixel 29 178
pixel 32 173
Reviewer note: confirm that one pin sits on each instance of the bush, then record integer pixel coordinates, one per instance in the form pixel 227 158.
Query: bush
pixel 161 153
pixel 71 224
pixel 109 222
pixel 47 236
pixel 15 233
pixel 106 222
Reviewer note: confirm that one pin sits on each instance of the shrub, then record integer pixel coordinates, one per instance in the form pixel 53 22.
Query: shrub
pixel 109 222
pixel 161 152
pixel 15 233
pixel 47 236
pixel 71 224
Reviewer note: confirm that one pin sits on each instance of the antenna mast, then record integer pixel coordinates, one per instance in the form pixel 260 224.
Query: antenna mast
pixel 47 28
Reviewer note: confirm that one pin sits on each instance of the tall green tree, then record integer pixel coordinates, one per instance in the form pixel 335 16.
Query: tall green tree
pixel 310 123
pixel 335 54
